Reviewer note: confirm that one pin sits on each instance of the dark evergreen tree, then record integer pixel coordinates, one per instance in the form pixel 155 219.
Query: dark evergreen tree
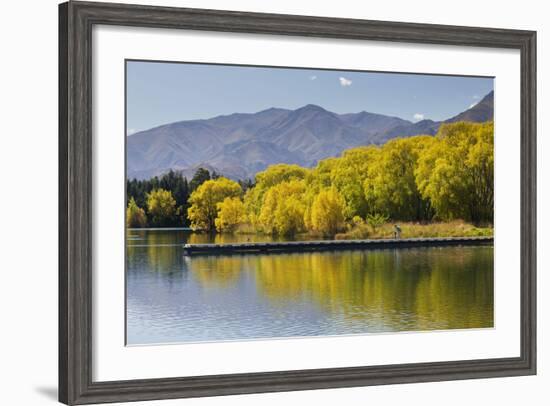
pixel 175 183
pixel 246 184
pixel 201 176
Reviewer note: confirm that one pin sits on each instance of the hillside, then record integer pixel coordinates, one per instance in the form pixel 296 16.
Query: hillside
pixel 240 145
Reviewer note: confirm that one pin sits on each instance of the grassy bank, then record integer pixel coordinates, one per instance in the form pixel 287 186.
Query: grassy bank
pixel 362 230
pixel 456 228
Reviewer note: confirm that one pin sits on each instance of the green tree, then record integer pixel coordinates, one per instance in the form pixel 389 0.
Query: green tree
pixel 137 190
pixel 246 184
pixel 376 220
pixel 272 176
pixel 327 212
pixel 231 214
pixel 390 188
pixel 349 175
pixel 204 201
pixel 456 173
pixel 135 215
pixel 201 176
pixel 161 207
pixel 172 181
pixel 411 179
pixel 283 208
pixel 178 186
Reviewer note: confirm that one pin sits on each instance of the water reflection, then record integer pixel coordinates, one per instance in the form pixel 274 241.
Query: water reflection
pixel 177 299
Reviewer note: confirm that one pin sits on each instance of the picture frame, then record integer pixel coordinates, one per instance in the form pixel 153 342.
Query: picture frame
pixel 76 352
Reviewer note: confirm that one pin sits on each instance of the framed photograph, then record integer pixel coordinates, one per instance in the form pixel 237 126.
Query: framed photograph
pixel 259 202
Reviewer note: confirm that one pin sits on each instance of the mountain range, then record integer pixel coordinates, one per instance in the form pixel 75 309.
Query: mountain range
pixel 240 145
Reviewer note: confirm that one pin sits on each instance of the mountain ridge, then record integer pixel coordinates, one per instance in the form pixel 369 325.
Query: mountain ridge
pixel 239 145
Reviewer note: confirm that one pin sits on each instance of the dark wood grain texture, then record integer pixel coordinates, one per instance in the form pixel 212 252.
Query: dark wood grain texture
pixel 76 20
pixel 63 213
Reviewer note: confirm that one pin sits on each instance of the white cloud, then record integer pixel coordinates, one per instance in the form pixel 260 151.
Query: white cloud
pixel 472 105
pixel 344 82
pixel 418 116
pixel 312 77
pixel 475 96
pixel 131 131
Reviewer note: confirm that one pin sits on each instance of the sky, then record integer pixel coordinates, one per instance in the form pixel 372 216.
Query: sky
pixel 163 92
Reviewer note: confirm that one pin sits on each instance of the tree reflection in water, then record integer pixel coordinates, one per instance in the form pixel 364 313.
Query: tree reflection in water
pixel 381 290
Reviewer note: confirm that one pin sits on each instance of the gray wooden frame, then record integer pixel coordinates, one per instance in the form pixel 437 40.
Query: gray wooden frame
pixel 76 20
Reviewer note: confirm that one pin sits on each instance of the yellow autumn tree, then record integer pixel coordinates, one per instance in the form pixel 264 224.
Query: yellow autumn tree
pixel 456 173
pixel 265 180
pixel 279 173
pixel 204 201
pixel 282 211
pixel 390 187
pixel 348 175
pixel 407 179
pixel 135 215
pixel 231 213
pixel 327 212
pixel 161 207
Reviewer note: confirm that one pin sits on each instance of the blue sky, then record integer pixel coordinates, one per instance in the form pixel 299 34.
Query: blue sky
pixel 160 93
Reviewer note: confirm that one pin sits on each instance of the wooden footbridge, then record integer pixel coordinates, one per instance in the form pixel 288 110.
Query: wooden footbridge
pixel 328 245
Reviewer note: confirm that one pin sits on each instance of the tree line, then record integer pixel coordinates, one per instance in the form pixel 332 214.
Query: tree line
pixel 164 201
pixel 422 178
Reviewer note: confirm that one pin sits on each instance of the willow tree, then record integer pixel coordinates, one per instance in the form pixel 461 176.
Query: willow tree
pixel 327 212
pixel 456 173
pixel 279 173
pixel 204 201
pixel 348 175
pixel 390 189
pixel 135 215
pixel 283 208
pixel 231 214
pixel 271 177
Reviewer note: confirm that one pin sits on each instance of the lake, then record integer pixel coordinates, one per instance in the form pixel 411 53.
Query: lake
pixel 177 299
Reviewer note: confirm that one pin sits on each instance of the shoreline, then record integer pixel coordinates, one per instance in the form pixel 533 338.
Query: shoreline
pixel 328 245
pixel 159 229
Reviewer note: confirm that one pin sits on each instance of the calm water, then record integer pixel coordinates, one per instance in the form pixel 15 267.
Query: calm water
pixel 172 298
